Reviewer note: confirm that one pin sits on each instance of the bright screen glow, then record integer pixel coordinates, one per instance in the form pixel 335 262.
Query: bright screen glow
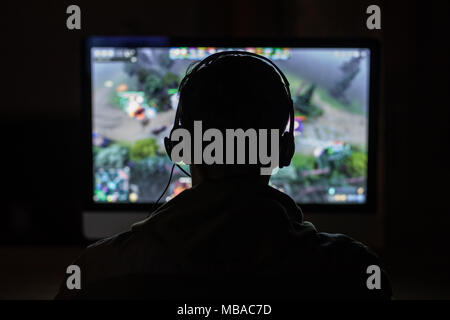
pixel 134 97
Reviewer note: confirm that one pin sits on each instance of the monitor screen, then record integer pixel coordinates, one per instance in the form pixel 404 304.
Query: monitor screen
pixel 134 95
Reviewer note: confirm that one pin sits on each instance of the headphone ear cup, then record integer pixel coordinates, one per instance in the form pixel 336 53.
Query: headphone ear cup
pixel 287 149
pixel 169 146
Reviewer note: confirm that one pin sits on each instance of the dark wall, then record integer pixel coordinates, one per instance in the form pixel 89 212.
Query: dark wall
pixel 41 106
pixel 423 105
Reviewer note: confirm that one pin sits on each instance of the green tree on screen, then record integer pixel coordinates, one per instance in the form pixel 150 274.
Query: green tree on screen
pixel 144 148
pixel 356 164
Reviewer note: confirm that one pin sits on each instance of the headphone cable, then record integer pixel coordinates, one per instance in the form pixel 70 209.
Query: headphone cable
pixel 167 186
pixel 184 171
pixel 165 190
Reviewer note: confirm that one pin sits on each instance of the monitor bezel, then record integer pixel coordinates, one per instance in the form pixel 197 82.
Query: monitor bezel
pixel 369 207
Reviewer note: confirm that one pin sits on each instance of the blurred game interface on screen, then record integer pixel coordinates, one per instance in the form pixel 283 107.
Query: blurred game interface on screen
pixel 134 98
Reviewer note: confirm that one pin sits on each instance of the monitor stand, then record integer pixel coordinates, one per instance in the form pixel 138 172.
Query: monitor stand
pixel 98 224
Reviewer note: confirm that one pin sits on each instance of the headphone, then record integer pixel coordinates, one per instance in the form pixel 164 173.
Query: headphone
pixel 287 143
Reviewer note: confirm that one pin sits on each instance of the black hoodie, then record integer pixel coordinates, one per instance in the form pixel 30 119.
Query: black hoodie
pixel 227 238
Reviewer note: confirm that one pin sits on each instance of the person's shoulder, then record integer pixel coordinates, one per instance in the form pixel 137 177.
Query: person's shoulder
pixel 111 242
pixel 99 260
pixel 107 249
pixel 345 251
pixel 340 241
pixel 354 263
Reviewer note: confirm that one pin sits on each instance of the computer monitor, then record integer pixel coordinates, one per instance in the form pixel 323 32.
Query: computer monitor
pixel 132 94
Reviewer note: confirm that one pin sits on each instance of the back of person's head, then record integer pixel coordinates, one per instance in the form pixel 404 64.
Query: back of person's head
pixel 232 92
pixel 235 92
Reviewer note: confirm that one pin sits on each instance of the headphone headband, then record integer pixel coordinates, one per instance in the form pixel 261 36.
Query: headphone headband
pixel 287 143
pixel 214 57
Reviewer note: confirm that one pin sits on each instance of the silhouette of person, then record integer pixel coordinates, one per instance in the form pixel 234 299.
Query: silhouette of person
pixel 231 234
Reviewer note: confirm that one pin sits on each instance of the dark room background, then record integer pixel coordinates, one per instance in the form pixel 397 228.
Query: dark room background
pixel 41 105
